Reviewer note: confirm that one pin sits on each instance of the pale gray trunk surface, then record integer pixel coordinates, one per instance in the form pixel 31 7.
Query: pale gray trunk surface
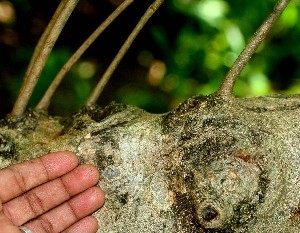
pixel 211 165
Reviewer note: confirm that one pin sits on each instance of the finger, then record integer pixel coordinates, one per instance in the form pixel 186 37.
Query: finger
pixel 49 195
pixel 88 224
pixel 19 178
pixel 68 213
pixel 5 224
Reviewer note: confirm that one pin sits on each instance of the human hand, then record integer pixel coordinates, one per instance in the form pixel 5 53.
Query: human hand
pixel 49 194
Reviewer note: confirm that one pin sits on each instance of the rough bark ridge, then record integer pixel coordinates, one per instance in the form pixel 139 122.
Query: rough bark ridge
pixel 211 165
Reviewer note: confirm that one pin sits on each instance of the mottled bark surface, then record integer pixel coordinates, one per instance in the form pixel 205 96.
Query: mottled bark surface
pixel 211 165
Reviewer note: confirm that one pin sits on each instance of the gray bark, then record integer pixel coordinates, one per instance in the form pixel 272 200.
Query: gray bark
pixel 211 165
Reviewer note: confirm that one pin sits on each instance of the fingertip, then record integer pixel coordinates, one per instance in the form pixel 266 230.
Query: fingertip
pixel 93 172
pixel 98 197
pixel 59 163
pixel 87 202
pixel 80 178
pixel 92 222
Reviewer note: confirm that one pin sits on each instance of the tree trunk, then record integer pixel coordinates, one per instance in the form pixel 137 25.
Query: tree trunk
pixel 211 165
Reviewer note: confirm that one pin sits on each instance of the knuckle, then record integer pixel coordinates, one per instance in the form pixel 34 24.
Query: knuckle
pixel 35 203
pixel 20 179
pixel 46 225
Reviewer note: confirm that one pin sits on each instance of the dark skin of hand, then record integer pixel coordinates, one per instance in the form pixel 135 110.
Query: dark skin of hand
pixel 50 194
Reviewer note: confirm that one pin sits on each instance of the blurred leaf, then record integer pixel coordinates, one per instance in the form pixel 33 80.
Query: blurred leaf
pixel 142 97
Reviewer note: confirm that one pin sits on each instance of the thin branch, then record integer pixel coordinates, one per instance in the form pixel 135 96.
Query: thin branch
pixel 226 88
pixel 45 101
pixel 38 48
pixel 55 27
pixel 108 73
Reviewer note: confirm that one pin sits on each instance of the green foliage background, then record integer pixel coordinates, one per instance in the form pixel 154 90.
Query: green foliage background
pixel 186 49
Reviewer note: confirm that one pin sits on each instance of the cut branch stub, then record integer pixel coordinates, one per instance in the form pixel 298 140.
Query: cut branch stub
pixel 226 88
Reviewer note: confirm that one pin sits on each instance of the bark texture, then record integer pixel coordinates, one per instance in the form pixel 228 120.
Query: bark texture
pixel 211 165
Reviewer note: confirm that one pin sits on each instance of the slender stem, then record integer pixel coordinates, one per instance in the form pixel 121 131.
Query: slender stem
pixel 38 48
pixel 108 73
pixel 39 60
pixel 45 101
pixel 226 88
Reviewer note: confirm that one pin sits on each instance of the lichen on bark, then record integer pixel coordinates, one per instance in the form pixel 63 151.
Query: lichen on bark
pixel 210 165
